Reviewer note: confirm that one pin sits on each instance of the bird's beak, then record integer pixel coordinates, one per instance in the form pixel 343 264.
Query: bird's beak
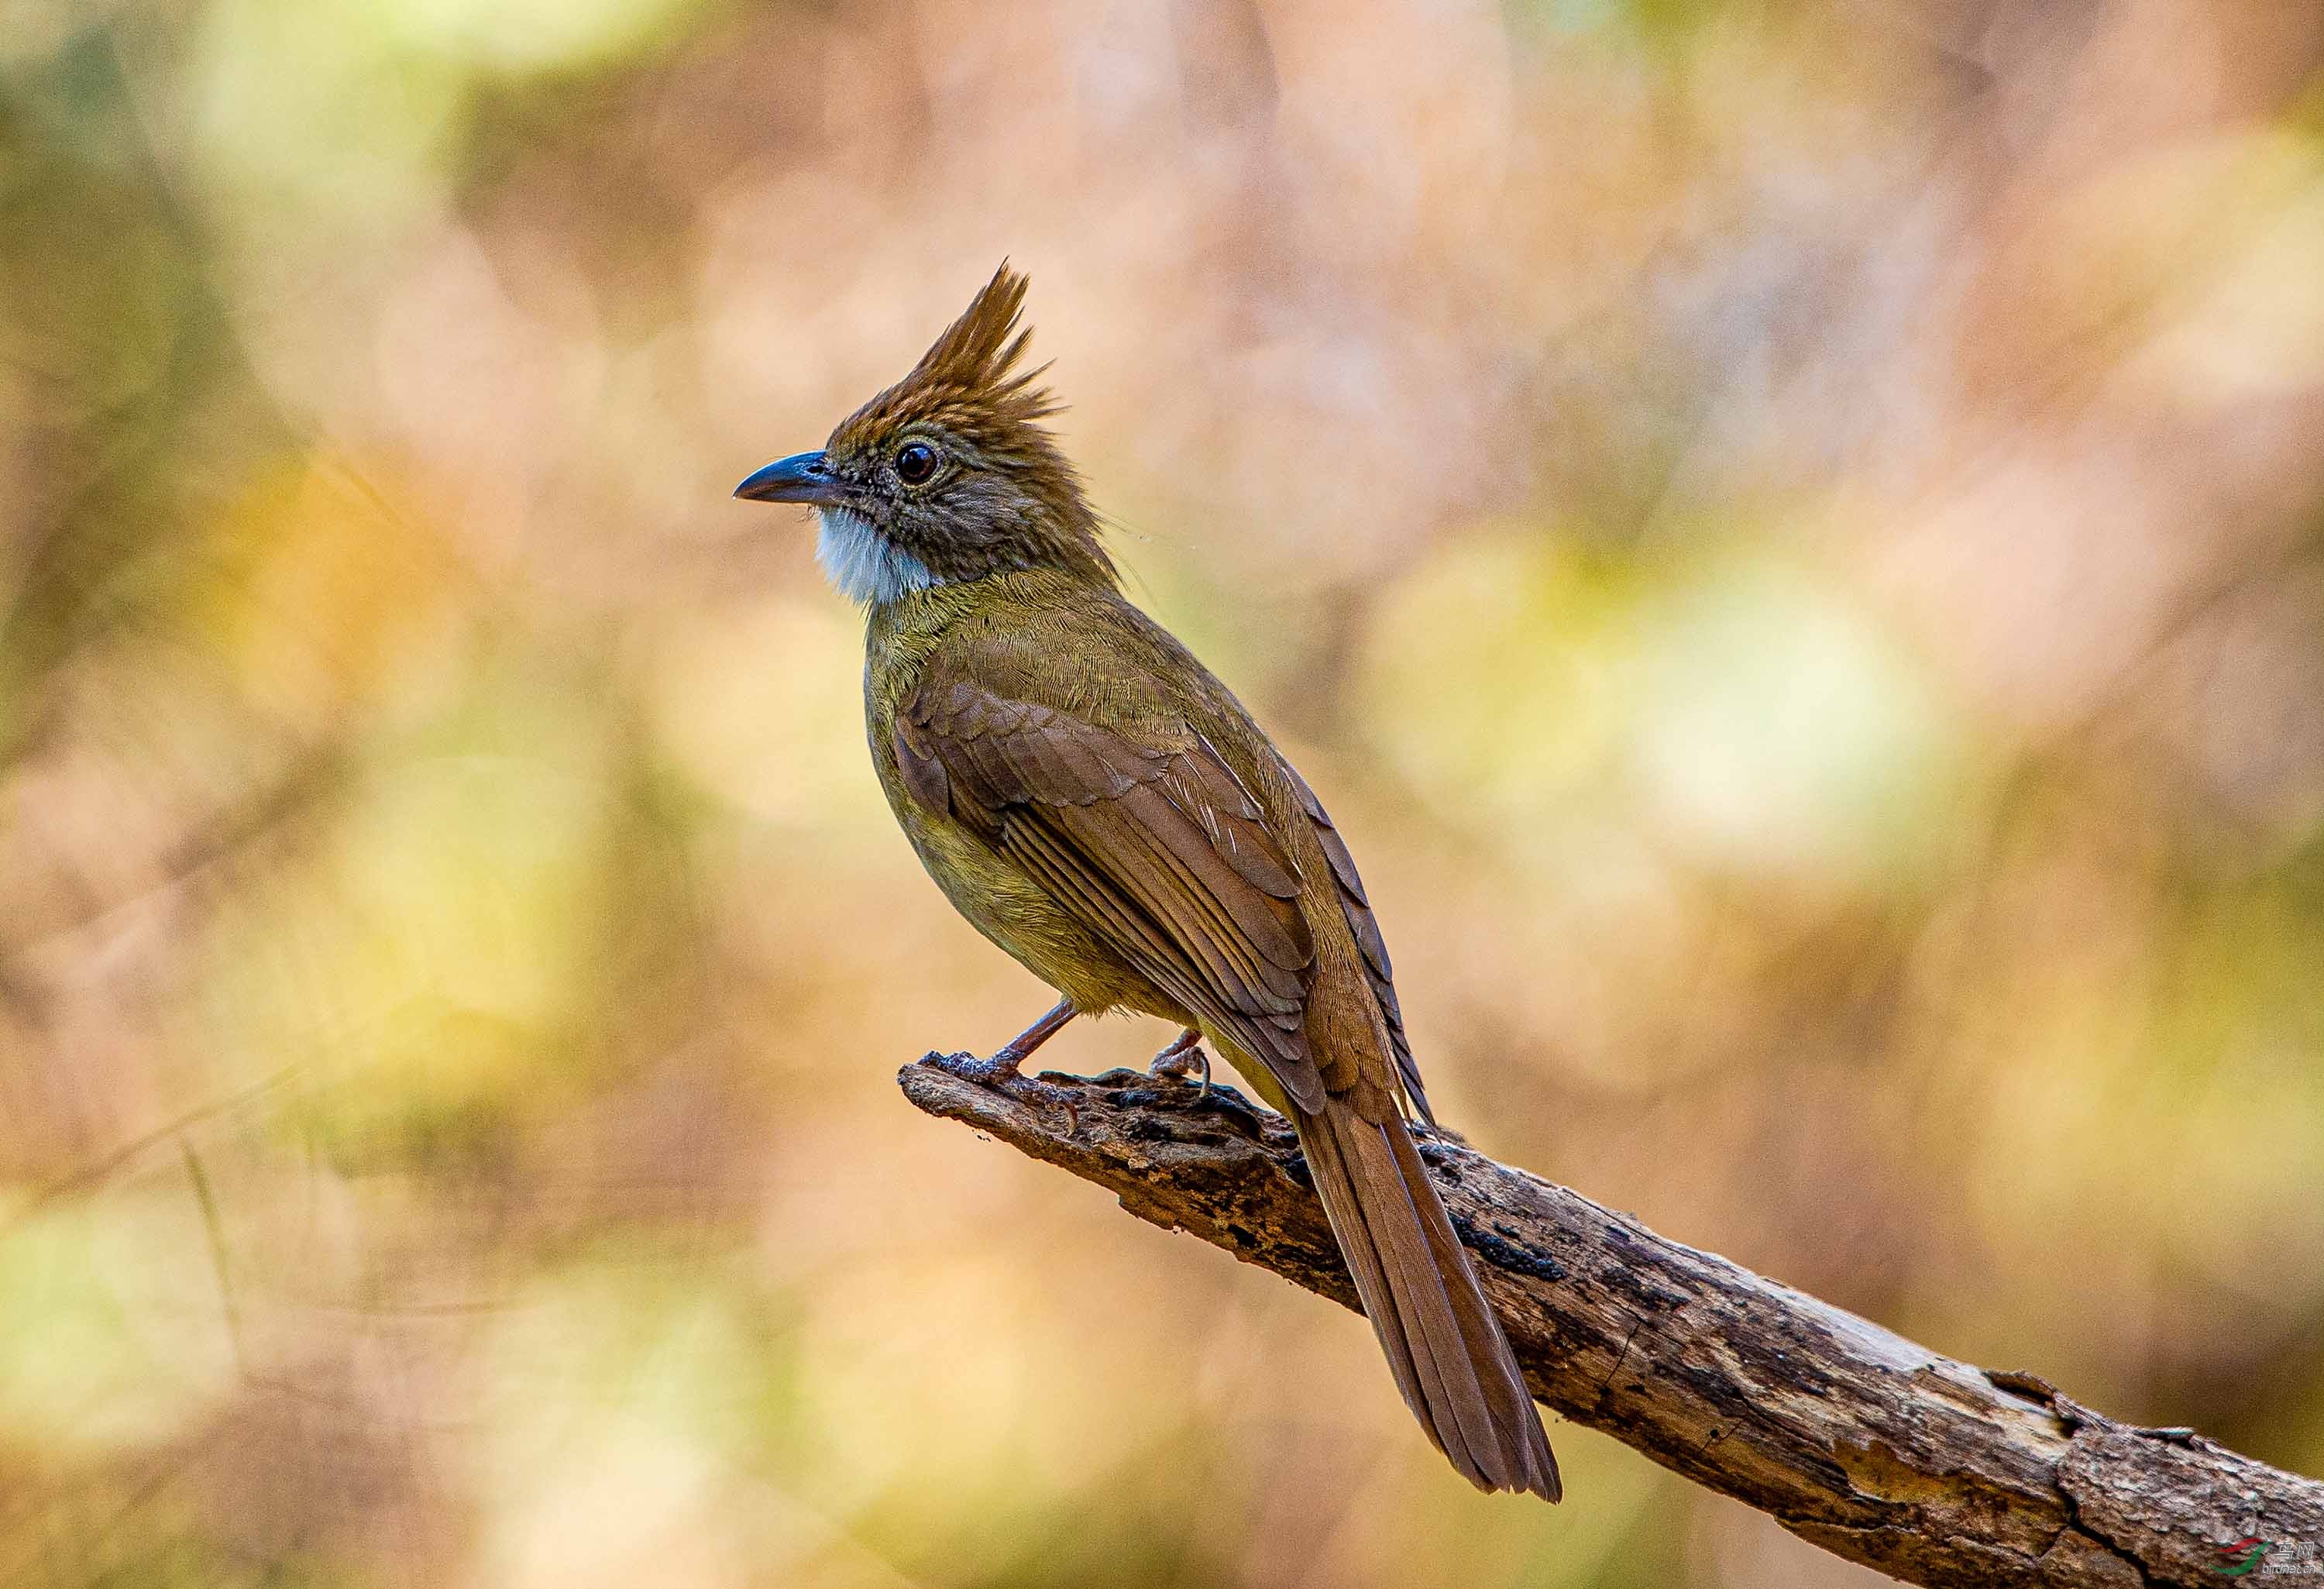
pixel 804 476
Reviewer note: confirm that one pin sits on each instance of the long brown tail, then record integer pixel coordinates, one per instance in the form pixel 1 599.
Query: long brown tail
pixel 1443 1344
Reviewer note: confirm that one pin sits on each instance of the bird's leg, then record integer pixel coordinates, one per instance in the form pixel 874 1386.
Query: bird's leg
pixel 1001 1072
pixel 1184 1057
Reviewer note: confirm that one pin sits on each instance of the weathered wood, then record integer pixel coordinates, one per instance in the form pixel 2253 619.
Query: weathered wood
pixel 1851 1437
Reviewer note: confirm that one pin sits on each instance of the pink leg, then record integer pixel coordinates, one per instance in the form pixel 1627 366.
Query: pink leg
pixel 1001 1072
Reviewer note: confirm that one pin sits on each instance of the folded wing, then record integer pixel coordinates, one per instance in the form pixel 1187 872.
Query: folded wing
pixel 1157 849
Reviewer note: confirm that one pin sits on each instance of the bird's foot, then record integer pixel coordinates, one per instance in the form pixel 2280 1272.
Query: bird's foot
pixel 1185 1057
pixel 1003 1074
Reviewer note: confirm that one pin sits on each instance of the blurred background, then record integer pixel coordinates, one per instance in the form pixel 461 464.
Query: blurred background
pixel 1789 536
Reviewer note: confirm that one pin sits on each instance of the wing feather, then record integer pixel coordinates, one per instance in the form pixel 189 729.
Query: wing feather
pixel 1159 850
pixel 1357 906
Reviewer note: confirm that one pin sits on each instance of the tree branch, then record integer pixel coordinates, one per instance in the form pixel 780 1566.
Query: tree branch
pixel 1852 1437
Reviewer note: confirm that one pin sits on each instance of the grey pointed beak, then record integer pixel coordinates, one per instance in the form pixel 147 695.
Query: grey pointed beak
pixel 804 476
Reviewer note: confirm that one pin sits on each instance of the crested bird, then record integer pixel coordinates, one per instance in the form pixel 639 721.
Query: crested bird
pixel 1097 803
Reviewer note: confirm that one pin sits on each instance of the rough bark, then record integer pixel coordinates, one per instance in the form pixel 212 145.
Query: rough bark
pixel 1851 1437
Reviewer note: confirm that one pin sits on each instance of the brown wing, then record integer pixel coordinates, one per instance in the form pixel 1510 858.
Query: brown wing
pixel 1358 908
pixel 1159 850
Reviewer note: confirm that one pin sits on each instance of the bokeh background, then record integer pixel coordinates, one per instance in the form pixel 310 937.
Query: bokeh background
pixel 1791 537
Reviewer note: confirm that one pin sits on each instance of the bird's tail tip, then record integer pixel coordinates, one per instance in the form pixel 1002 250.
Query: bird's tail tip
pixel 1450 1358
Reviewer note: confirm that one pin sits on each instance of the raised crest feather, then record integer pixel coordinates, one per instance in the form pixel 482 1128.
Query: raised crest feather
pixel 976 353
pixel 968 378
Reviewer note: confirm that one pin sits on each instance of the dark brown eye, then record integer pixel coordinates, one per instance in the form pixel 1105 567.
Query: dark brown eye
pixel 916 461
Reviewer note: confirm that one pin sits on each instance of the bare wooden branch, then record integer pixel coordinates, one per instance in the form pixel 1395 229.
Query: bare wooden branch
pixel 1854 1438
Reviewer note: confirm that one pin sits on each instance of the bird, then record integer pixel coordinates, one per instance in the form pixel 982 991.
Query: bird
pixel 1098 805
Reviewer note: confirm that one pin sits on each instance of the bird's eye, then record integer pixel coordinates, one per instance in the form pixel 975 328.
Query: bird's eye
pixel 916 461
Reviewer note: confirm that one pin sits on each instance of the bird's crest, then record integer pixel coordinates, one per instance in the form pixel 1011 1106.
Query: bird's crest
pixel 968 378
pixel 978 351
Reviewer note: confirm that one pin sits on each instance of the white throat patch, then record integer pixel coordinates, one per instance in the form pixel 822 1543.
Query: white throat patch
pixel 864 565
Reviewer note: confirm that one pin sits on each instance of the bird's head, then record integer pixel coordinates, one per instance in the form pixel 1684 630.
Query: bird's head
pixel 949 474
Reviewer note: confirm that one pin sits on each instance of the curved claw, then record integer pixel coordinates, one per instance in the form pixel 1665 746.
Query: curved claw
pixel 1000 1073
pixel 1182 1058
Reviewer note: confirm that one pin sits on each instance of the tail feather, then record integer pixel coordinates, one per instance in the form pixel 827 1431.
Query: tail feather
pixel 1443 1345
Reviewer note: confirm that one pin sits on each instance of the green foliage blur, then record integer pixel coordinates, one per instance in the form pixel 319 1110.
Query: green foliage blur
pixel 1792 539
